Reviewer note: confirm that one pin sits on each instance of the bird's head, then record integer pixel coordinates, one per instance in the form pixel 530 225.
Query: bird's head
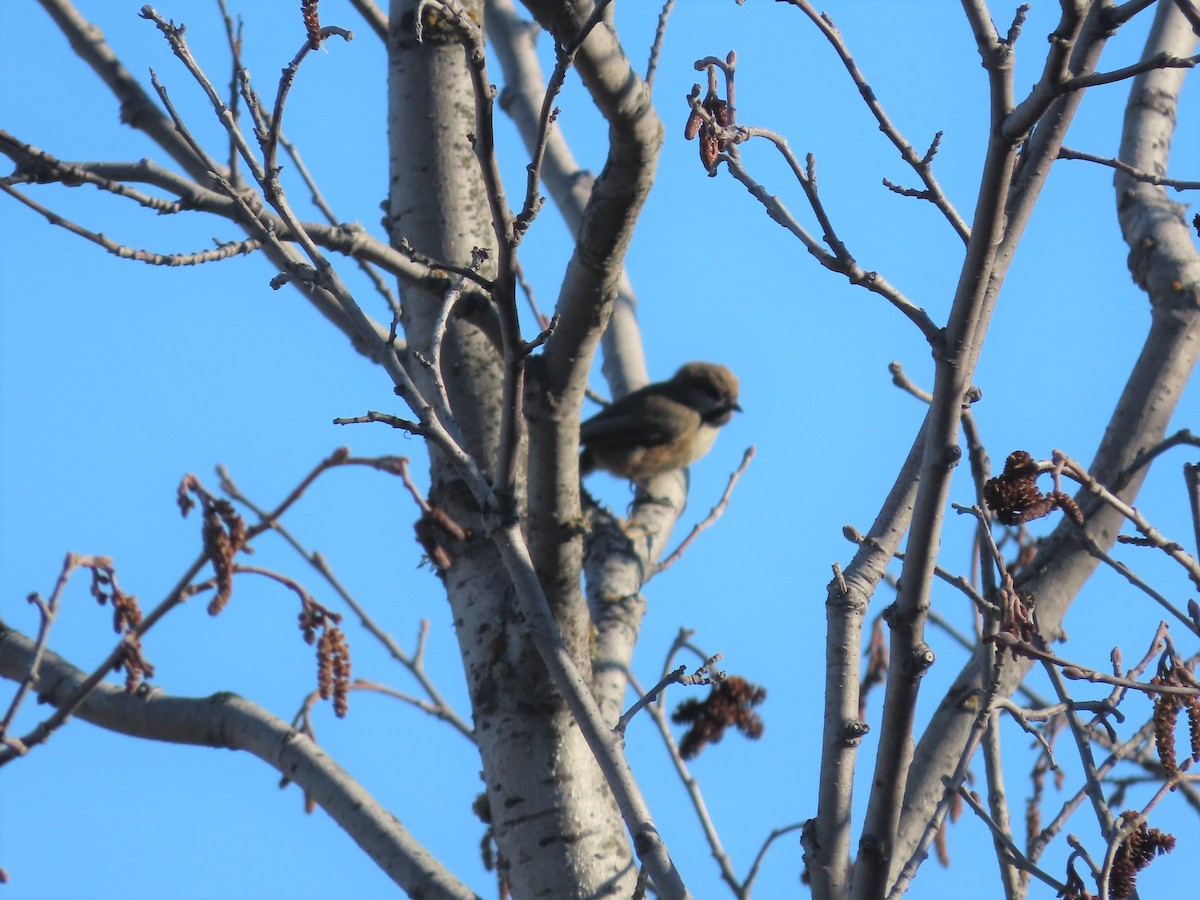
pixel 708 388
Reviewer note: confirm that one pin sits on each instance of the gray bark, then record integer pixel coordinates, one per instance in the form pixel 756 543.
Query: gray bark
pixel 554 816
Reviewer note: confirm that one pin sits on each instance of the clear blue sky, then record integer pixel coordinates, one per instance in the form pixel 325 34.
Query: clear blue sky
pixel 116 378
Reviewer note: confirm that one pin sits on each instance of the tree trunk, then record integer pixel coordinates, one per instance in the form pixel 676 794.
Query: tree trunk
pixel 556 825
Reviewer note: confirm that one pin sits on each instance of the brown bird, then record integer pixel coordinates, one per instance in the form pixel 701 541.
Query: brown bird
pixel 662 427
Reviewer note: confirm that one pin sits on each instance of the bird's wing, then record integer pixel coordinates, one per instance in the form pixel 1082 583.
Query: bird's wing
pixel 639 419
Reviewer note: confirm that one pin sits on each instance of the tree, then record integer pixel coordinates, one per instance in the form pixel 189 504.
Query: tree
pixel 497 397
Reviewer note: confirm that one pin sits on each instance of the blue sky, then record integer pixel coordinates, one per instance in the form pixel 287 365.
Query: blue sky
pixel 116 378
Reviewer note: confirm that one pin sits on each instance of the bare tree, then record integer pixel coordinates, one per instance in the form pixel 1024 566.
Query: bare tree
pixel 544 584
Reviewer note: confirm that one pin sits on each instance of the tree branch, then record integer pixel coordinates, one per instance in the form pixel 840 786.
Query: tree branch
pixel 230 722
pixel 1148 177
pixel 922 165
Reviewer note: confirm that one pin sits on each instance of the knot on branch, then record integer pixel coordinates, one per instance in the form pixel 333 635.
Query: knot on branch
pixel 921 659
pixel 853 731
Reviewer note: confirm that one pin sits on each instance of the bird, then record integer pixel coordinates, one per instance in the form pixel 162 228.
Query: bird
pixel 661 427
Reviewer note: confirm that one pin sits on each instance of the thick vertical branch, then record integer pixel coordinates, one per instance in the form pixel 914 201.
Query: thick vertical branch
pixel 569 185
pixel 604 231
pixel 554 816
pixel 827 840
pixel 955 360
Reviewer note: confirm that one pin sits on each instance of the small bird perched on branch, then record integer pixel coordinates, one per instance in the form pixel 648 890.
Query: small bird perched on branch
pixel 662 427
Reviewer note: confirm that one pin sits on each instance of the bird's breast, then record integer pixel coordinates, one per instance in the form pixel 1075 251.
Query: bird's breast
pixel 700 443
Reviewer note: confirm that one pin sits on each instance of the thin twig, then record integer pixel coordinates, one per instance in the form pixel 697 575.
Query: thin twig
pixel 1132 577
pixel 840 260
pixel 270 141
pixel 1118 835
pixel 220 252
pixel 1076 672
pixel 1004 839
pixel 318 199
pixel 1158 61
pixel 922 165
pixel 959 582
pixel 660 32
pixel 692 787
pixel 47 613
pixel 42 732
pixel 321 272
pixel 566 58
pixel 413 663
pixel 713 514
pixel 386 418
pixel 1078 473
pixel 233 37
pixel 775 834
pixel 997 799
pixel 1136 174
